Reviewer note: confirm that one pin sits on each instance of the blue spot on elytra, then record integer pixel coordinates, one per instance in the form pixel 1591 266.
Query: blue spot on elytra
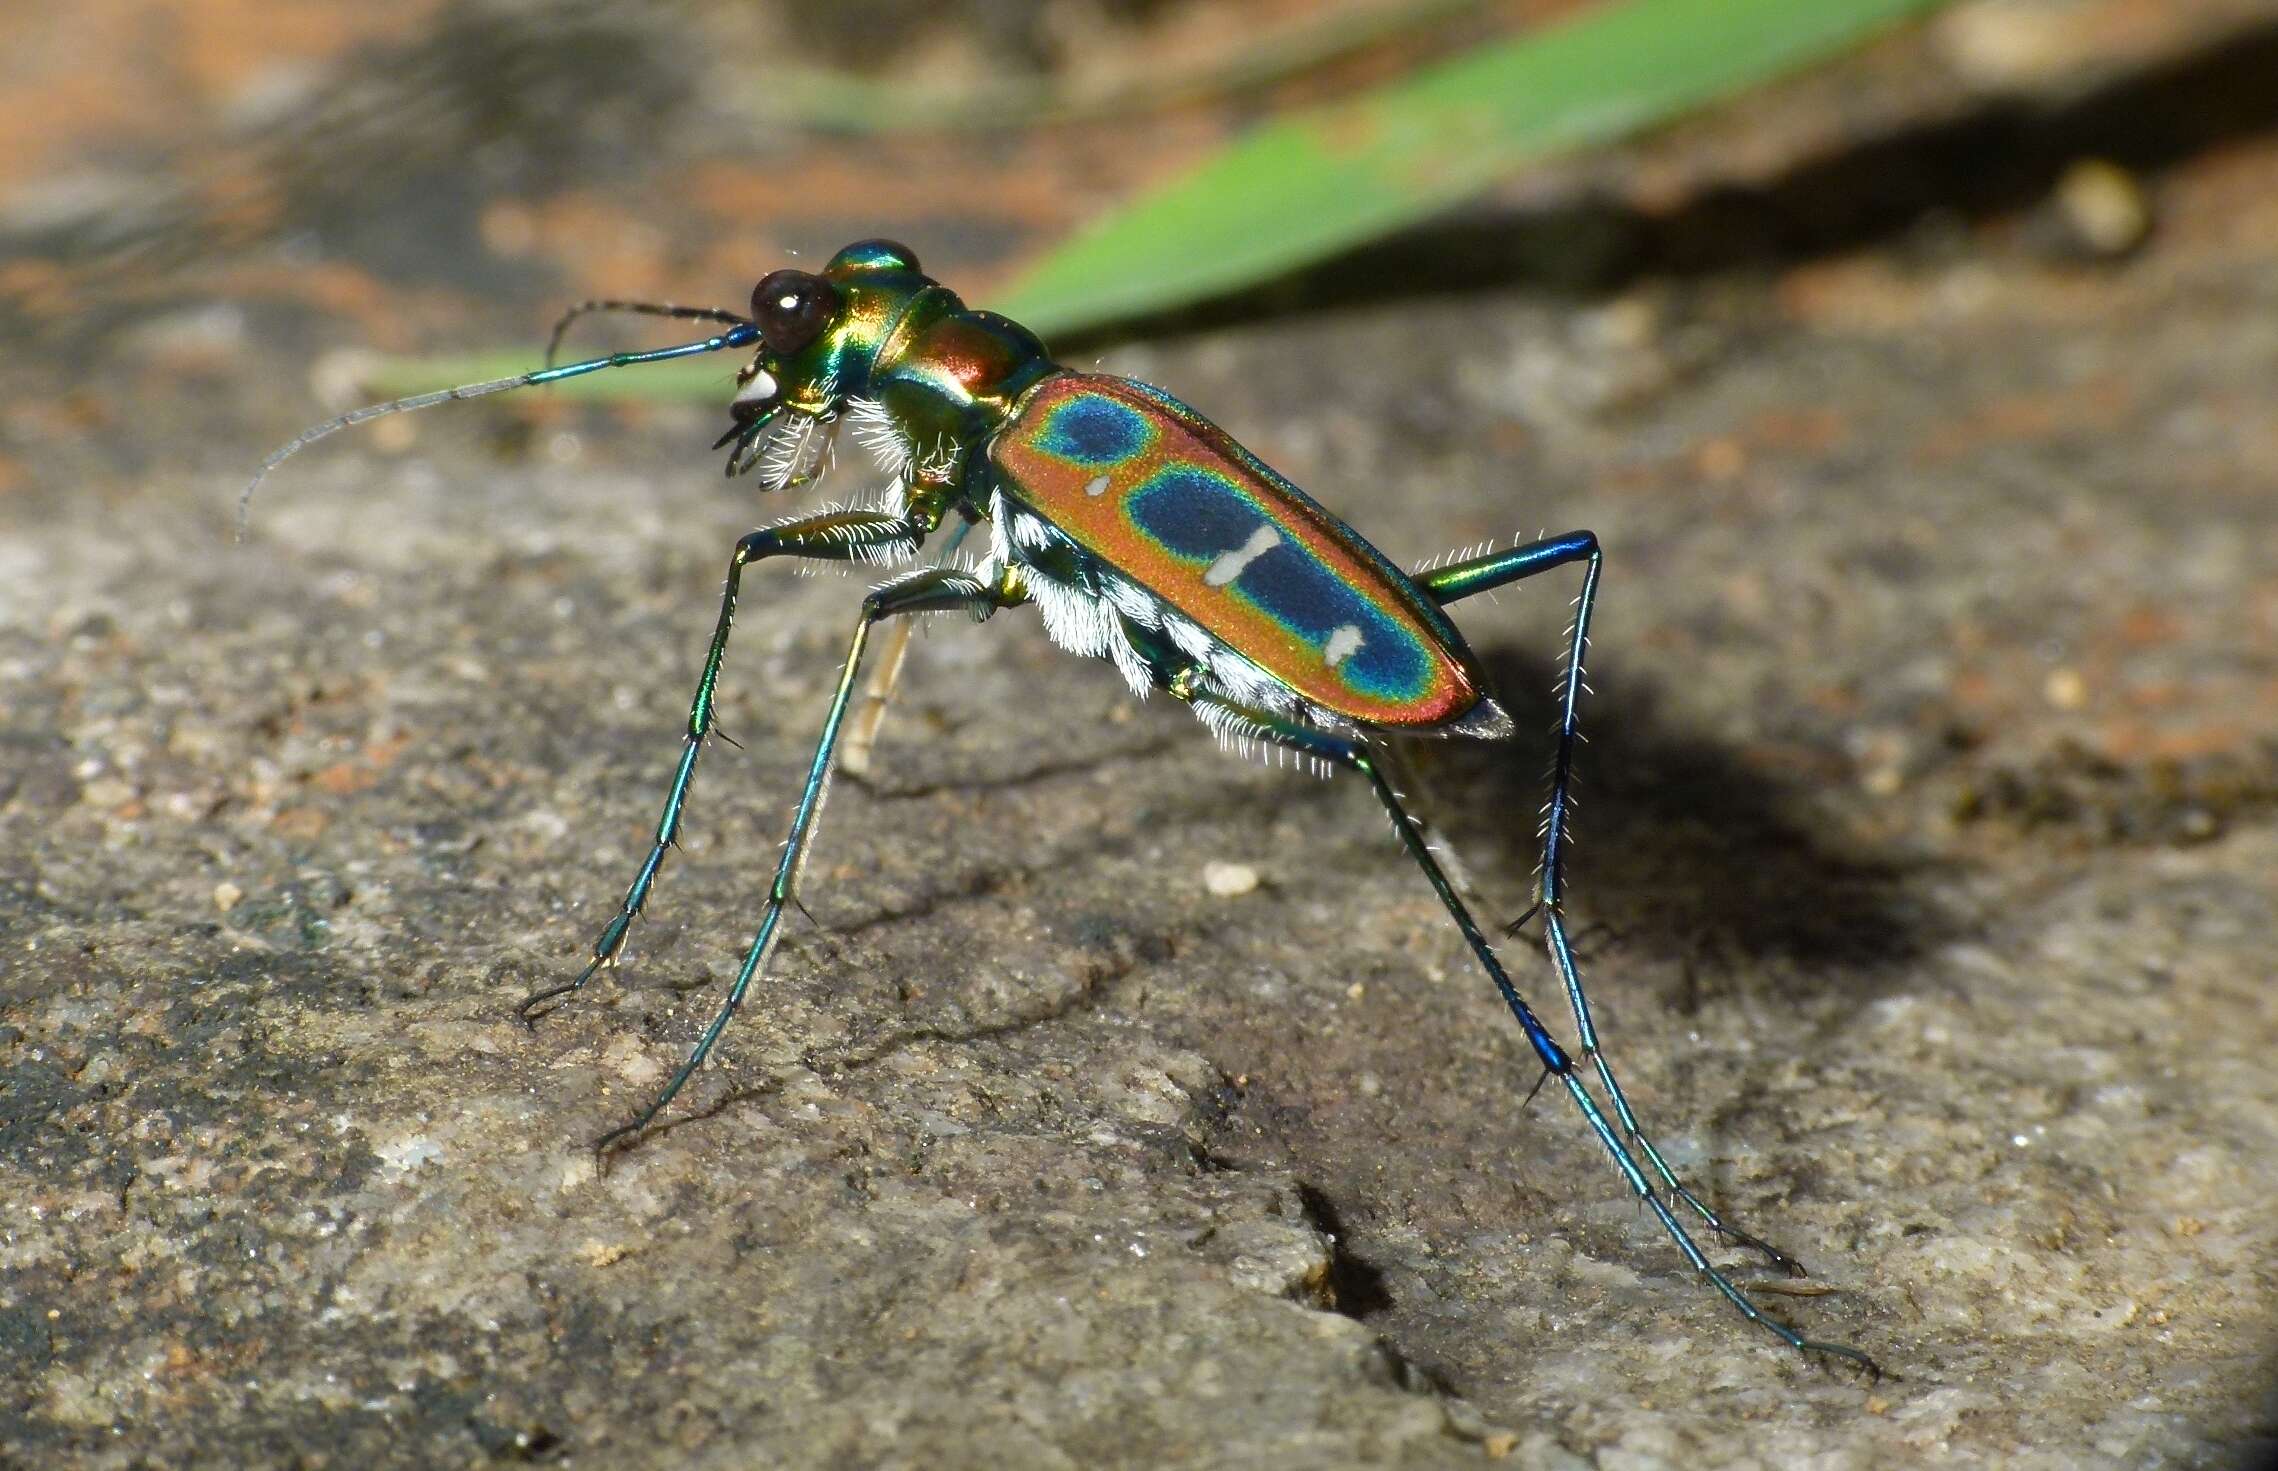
pixel 1094 431
pixel 1306 596
pixel 1197 516
pixel 1193 513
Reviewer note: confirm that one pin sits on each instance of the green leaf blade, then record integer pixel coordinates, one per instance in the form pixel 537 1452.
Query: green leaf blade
pixel 1299 189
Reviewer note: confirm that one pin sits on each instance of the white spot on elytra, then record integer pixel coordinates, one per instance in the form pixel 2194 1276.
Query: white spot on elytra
pixel 1097 485
pixel 1230 564
pixel 1343 643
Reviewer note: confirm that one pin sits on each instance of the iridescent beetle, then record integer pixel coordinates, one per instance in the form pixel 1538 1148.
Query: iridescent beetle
pixel 1143 534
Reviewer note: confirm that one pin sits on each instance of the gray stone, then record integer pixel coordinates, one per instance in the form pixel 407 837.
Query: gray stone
pixel 1928 820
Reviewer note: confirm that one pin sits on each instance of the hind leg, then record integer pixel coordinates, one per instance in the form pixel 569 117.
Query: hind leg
pixel 1482 574
pixel 1237 722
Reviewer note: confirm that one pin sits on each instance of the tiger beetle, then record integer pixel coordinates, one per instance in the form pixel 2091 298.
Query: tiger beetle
pixel 1143 534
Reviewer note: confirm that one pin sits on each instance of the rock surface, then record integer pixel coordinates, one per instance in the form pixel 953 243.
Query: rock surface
pixel 1927 839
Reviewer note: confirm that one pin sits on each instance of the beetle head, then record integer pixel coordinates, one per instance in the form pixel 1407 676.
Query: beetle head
pixel 819 335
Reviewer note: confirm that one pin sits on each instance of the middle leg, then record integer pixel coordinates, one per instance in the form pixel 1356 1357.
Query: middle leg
pixel 931 591
pixel 832 535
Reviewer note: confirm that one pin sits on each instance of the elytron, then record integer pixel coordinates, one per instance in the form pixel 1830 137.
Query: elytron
pixel 1141 533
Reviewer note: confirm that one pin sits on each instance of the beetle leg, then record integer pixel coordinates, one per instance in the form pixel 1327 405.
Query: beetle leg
pixel 1346 751
pixel 933 590
pixel 862 733
pixel 833 535
pixel 1481 574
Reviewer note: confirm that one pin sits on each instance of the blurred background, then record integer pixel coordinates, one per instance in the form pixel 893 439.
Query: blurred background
pixel 447 173
pixel 1918 363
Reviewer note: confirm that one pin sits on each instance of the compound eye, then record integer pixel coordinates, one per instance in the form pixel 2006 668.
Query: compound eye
pixel 792 308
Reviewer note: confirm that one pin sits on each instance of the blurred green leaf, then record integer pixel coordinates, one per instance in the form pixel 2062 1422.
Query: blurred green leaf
pixel 1303 187
pixel 845 102
pixel 1298 189
pixel 708 379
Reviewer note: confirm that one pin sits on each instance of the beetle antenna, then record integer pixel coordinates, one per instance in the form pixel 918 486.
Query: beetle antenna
pixel 742 334
pixel 643 308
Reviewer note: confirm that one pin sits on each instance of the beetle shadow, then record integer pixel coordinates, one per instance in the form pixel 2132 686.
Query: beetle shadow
pixel 1686 848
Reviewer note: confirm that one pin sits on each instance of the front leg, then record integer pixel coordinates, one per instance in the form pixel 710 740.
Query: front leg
pixel 839 536
pixel 935 590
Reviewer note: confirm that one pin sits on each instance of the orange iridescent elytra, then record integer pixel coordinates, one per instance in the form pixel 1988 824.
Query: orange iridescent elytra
pixel 1151 488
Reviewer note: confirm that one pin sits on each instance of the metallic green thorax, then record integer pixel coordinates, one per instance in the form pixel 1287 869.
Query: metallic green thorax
pixel 945 377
